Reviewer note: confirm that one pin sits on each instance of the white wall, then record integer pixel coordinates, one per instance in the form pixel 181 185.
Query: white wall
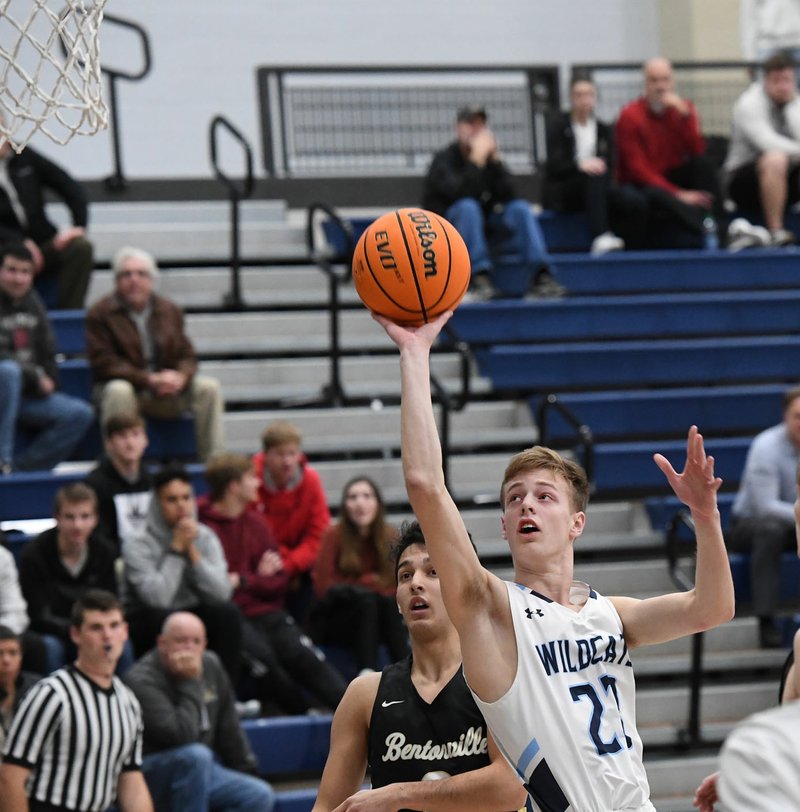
pixel 205 54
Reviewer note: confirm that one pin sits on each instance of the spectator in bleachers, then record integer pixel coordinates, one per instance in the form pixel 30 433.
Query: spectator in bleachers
pixel 354 580
pixel 661 151
pixel 469 185
pixel 121 482
pixel 65 254
pixel 579 174
pixel 407 724
pixel 143 360
pixel 28 375
pixel 293 664
pixel 292 498
pixel 763 163
pixel 196 755
pixel 763 518
pixel 14 613
pixel 61 564
pixel 14 682
pixel 177 563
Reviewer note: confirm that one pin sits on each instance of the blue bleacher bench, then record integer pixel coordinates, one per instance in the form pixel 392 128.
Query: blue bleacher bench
pixel 290 744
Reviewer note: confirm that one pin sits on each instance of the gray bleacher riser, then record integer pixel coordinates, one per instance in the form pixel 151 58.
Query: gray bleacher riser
pixel 361 376
pixel 739 633
pixel 364 428
pixel 736 660
pixel 268 286
pixel 720 704
pixel 274 333
pixel 471 475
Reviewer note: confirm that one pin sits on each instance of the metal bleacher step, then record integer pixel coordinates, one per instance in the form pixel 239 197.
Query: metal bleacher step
pixel 673 780
pixel 302 380
pixel 275 333
pixel 181 231
pixel 377 430
pixel 261 286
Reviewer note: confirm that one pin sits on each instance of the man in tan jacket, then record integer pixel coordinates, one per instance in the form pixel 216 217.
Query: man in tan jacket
pixel 141 357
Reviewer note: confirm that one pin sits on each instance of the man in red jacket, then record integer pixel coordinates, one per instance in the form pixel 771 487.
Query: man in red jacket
pixel 292 498
pixel 661 150
pixel 286 658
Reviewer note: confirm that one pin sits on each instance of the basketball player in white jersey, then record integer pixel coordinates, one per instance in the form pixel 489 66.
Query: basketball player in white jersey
pixel 416 721
pixel 548 659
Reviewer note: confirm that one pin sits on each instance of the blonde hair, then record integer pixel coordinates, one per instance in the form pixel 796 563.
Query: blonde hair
pixel 539 457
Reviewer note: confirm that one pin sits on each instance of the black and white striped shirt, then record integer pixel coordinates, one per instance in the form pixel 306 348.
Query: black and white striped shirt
pixel 77 738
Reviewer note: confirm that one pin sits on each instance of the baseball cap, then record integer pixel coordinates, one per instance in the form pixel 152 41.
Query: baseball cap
pixel 469 112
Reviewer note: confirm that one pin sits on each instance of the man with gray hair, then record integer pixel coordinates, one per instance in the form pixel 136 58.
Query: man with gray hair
pixel 141 357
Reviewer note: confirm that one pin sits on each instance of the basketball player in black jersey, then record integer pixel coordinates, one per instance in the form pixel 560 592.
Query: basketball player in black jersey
pixel 416 720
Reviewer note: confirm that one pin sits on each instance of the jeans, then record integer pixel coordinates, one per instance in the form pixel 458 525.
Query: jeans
pixel 189 779
pixel 61 420
pixel 508 228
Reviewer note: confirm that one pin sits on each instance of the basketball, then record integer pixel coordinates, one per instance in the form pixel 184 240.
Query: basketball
pixel 410 266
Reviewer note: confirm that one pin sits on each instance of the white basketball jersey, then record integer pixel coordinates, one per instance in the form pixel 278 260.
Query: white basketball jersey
pixel 567 725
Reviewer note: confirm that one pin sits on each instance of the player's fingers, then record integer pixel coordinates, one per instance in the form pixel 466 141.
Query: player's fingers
pixel 664 464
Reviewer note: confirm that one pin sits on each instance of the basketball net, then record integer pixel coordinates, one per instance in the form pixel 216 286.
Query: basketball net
pixel 50 77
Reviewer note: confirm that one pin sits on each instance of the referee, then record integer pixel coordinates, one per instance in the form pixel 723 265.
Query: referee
pixel 75 742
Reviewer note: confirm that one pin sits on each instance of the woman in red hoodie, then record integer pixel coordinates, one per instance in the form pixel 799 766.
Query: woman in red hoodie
pixel 354 581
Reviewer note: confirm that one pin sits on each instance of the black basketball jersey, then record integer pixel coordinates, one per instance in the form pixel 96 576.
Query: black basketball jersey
pixel 410 739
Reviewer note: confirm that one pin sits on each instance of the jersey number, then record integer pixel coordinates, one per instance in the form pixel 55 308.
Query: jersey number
pixel 588 691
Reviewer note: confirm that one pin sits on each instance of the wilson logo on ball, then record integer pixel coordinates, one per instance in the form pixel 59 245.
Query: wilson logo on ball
pixel 411 265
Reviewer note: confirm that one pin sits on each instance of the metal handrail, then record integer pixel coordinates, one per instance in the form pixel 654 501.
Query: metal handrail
pixel 116 181
pixel 237 191
pixel 343 225
pixel 583 432
pixel 691 735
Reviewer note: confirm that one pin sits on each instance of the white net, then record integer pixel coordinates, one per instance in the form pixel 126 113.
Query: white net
pixel 50 77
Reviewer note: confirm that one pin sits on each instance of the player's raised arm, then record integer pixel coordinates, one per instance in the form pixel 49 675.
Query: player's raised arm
pixel 711 602
pixel 457 564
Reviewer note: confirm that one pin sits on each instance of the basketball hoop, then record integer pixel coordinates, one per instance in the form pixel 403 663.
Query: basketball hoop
pixel 50 77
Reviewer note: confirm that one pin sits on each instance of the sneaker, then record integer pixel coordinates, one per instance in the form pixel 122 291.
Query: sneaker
pixel 743 234
pixel 603 243
pixel 545 286
pixel 5 468
pixel 481 288
pixel 781 237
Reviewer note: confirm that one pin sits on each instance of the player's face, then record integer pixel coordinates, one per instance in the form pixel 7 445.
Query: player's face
pixel 361 504
pixel 781 85
pixel 75 522
pixel 134 283
pixel 127 446
pixel 16 276
pixel 101 636
pixel 419 594
pixel 538 513
pixel 176 499
pixel 791 417
pixel 10 661
pixel 283 462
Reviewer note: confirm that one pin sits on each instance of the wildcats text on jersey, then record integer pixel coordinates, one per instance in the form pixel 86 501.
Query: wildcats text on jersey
pixel 570 656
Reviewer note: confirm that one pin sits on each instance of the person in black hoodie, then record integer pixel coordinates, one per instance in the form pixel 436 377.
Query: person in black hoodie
pixel 61 564
pixel 28 375
pixel 579 173
pixel 120 481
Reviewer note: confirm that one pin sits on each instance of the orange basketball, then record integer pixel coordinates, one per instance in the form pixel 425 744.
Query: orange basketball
pixel 411 265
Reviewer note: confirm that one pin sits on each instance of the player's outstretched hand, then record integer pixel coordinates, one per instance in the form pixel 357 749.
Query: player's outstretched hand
pixel 696 486
pixel 405 336
pixel 705 796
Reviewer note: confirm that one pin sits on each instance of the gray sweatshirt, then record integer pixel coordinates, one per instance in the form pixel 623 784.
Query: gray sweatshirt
pixel 156 577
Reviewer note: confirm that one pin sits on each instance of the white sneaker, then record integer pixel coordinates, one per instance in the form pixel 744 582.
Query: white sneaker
pixel 605 242
pixel 743 234
pixel 781 237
